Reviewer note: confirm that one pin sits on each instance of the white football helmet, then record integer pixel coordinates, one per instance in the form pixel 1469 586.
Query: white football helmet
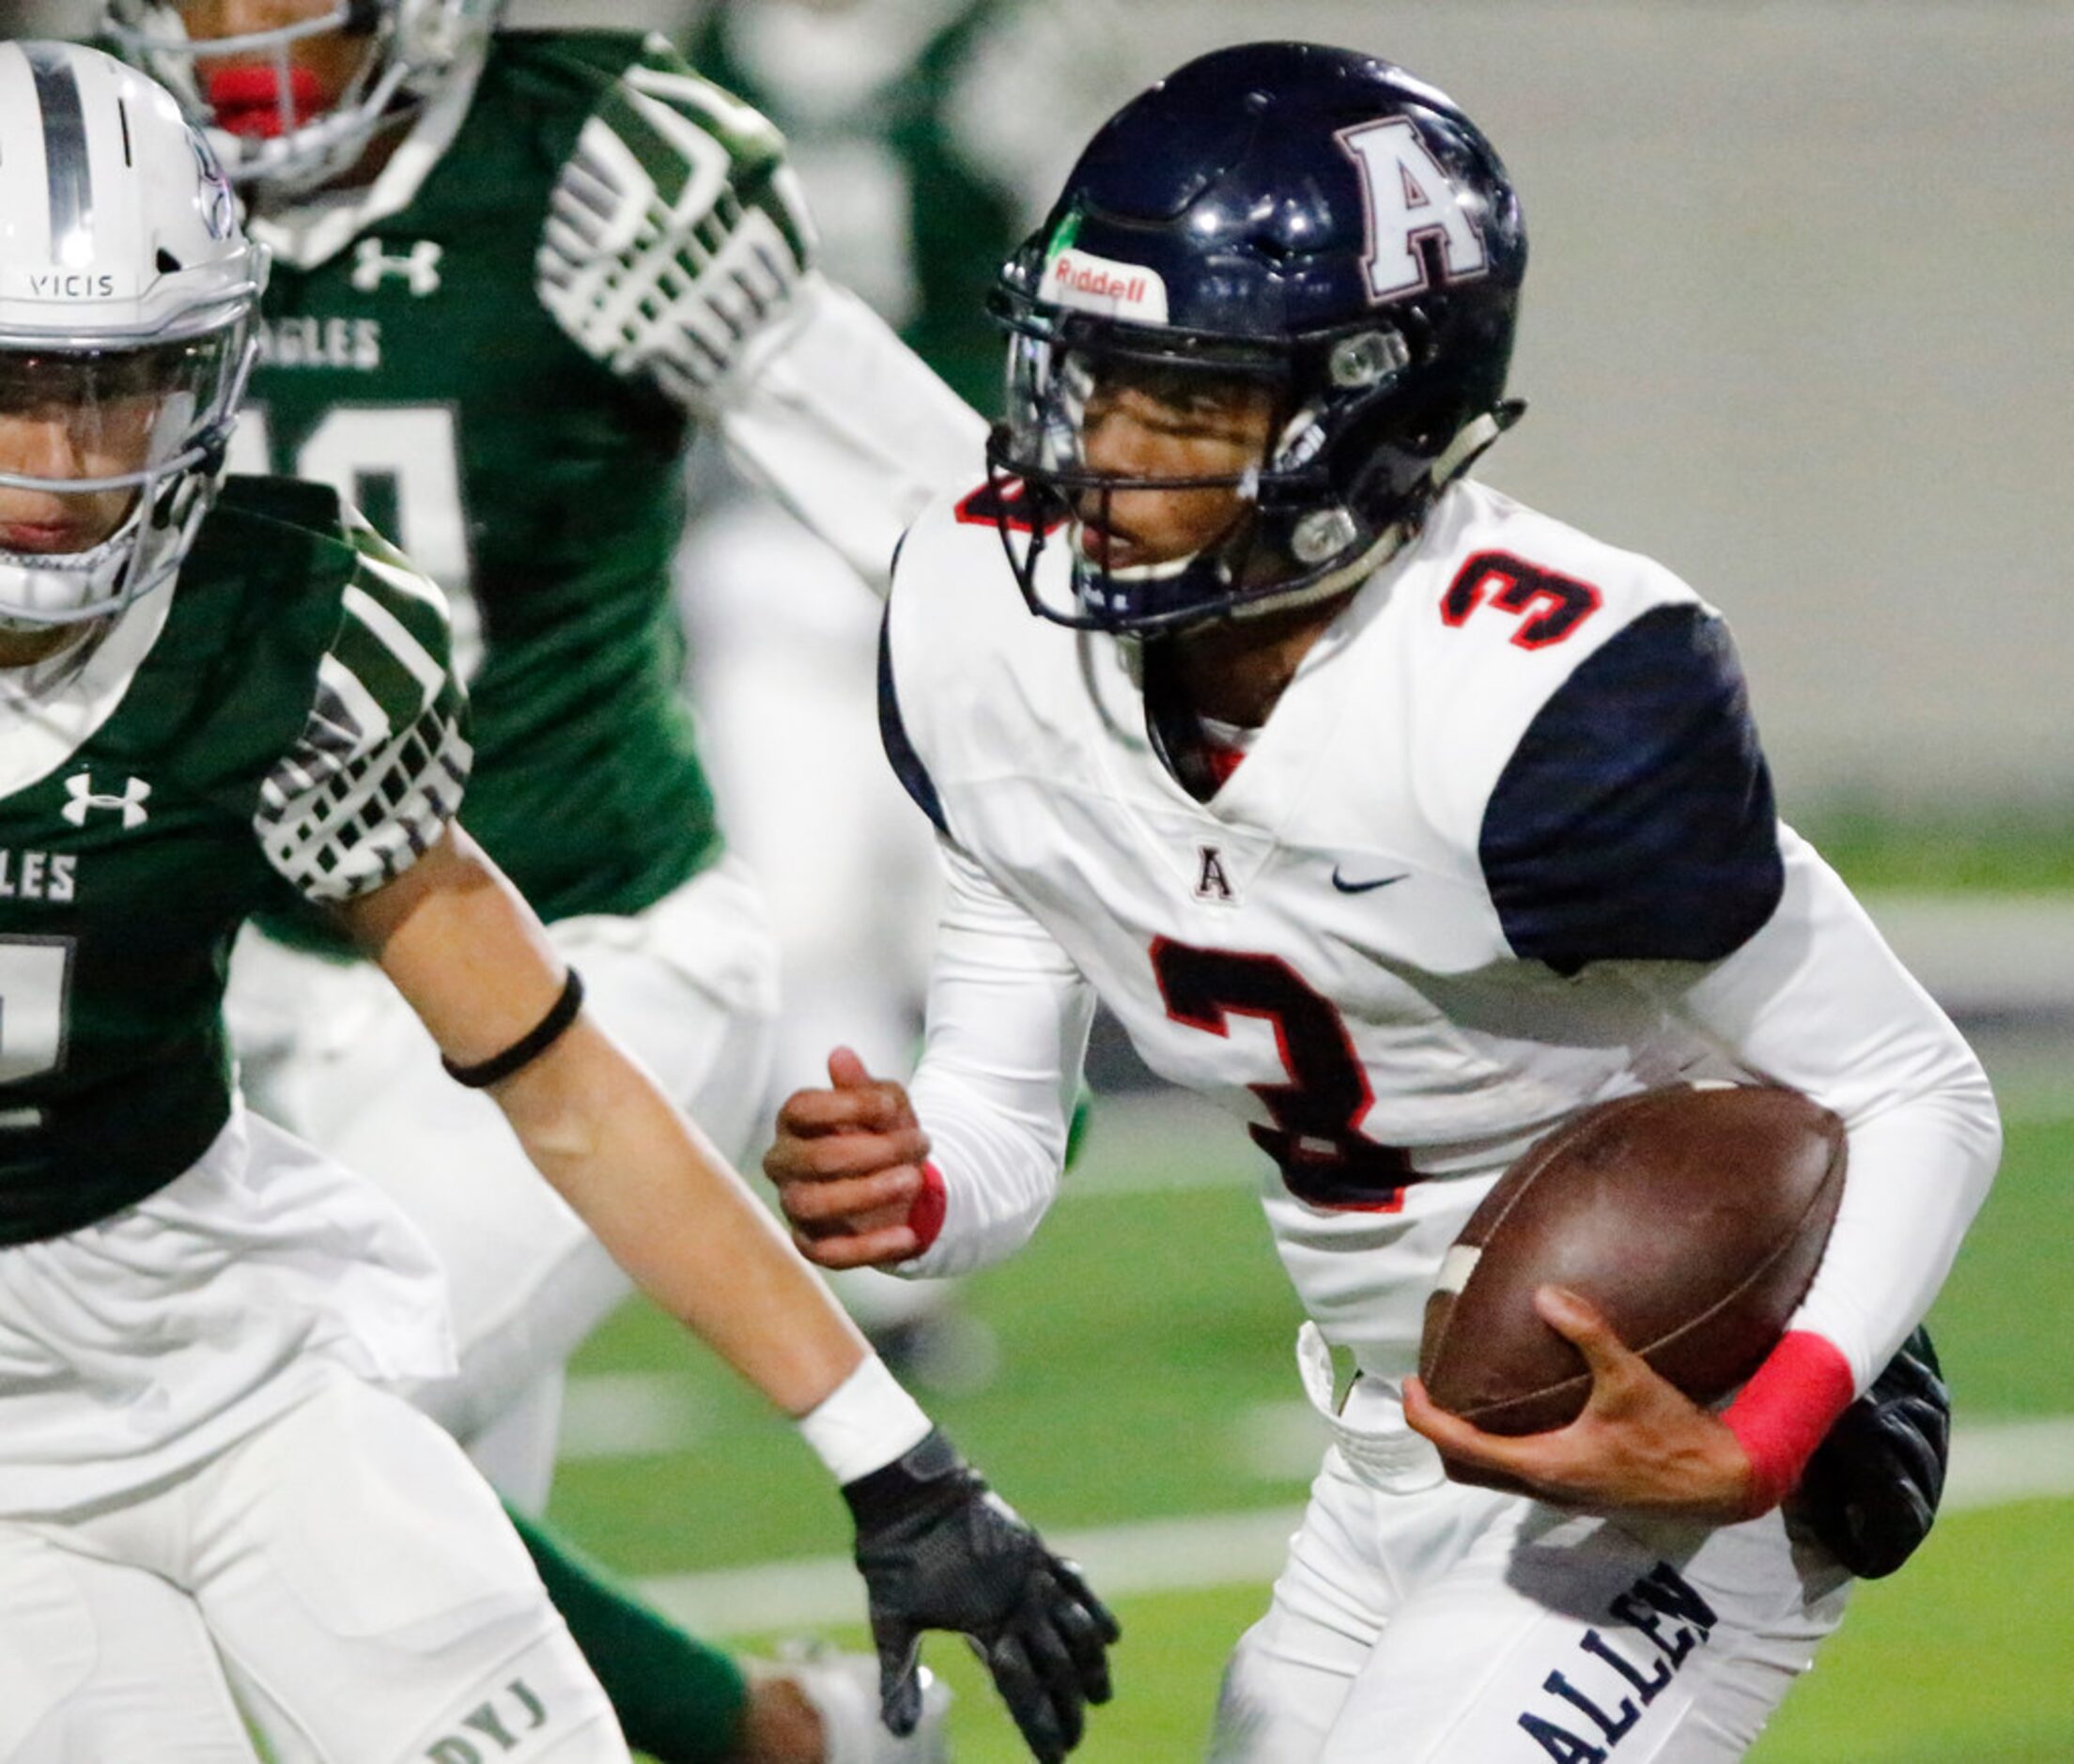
pixel 128 296
pixel 414 46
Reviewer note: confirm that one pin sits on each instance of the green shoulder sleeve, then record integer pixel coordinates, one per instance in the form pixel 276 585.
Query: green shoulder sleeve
pixel 675 229
pixel 378 769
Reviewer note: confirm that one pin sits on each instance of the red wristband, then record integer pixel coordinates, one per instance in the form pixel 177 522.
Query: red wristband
pixel 1783 1413
pixel 925 1218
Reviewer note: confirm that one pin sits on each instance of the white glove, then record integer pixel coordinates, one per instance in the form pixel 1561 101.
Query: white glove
pixel 676 234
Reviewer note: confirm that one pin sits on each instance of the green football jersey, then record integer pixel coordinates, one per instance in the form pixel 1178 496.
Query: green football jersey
pixel 284 719
pixel 416 369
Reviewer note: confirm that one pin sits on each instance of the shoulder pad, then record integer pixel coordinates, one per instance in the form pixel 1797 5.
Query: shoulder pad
pixel 954 623
pixel 954 549
pixel 1636 820
pixel 577 66
pixel 314 508
pixel 1493 608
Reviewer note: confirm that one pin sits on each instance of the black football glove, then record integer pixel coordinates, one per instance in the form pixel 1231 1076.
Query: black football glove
pixel 1870 1492
pixel 939 1550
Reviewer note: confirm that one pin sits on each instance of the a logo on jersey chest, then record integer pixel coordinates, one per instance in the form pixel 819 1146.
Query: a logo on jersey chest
pixel 418 268
pixel 1213 880
pixel 83 799
pixel 1364 884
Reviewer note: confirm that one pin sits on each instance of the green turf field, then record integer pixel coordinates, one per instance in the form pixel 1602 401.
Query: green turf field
pixel 1998 851
pixel 1147 1375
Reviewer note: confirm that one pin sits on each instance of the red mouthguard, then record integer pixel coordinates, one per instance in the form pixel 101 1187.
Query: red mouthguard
pixel 247 100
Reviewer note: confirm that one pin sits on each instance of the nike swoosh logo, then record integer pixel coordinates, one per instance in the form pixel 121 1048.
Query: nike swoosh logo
pixel 1345 886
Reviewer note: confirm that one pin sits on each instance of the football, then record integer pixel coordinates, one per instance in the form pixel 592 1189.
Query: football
pixel 1692 1217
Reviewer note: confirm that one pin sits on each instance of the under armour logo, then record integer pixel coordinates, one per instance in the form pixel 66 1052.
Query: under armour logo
pixel 1212 884
pixel 419 267
pixel 79 788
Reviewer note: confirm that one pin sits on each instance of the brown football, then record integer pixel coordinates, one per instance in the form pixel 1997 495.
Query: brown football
pixel 1693 1217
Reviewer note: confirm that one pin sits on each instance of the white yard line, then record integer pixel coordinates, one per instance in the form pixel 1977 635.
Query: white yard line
pixel 1156 1555
pixel 1979 952
pixel 2008 1461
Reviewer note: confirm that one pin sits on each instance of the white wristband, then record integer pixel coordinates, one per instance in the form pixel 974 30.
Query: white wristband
pixel 864 1423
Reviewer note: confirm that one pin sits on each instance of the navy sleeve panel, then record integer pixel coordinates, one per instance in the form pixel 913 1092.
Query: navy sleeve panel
pixel 907 763
pixel 1636 820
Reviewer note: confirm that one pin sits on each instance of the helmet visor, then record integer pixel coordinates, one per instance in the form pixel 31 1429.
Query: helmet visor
pixel 1196 425
pixel 1191 474
pixel 82 433
pixel 1154 465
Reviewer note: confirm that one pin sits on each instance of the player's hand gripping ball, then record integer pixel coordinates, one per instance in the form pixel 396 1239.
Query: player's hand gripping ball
pixel 1692 1217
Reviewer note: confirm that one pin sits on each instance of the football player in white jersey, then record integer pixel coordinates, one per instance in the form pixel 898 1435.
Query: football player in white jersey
pixel 1404 821
pixel 212 691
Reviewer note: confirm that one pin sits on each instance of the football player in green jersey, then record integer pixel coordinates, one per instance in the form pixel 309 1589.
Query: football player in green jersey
pixel 206 698
pixel 512 272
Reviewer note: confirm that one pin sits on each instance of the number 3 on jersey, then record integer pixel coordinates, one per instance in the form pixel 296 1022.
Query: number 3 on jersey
pixel 1547 606
pixel 1316 1140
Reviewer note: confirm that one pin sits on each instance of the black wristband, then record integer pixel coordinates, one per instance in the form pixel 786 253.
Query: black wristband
pixel 529 1047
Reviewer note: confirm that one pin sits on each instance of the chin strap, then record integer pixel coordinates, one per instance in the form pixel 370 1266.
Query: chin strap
pixel 51 672
pixel 40 591
pixel 1469 445
pixel 1471 441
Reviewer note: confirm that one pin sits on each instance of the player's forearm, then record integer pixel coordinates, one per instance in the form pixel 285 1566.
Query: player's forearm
pixel 1917 1176
pixel 1815 1000
pixel 1818 1002
pixel 1009 1015
pixel 847 426
pixel 462 946
pixel 998 1170
pixel 682 1224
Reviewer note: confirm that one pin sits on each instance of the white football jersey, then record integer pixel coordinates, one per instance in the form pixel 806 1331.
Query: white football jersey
pixel 1510 791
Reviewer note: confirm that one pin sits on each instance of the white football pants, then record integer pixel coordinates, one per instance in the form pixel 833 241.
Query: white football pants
pixel 330 1051
pixel 1461 1624
pixel 342 1567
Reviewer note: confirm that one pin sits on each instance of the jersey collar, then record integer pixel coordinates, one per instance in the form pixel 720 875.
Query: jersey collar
pixel 41 731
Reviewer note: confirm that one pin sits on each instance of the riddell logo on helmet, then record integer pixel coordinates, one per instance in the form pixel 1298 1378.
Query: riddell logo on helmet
pixel 1100 284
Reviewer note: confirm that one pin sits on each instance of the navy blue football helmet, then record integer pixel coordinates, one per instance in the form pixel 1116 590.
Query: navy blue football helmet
pixel 1313 216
